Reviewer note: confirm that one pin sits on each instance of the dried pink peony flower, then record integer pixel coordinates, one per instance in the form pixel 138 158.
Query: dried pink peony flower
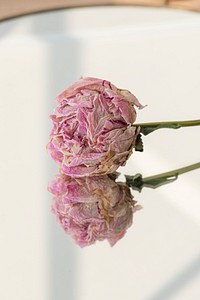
pixel 92 132
pixel 92 208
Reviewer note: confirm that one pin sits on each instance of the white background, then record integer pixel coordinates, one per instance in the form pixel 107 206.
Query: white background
pixel 153 52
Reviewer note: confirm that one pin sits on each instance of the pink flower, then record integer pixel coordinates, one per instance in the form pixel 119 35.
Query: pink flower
pixel 92 208
pixel 92 128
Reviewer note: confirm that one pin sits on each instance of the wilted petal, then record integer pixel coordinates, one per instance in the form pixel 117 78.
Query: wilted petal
pixel 92 209
pixel 92 126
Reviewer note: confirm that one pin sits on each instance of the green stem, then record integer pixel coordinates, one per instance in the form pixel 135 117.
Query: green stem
pixel 173 173
pixel 137 182
pixel 146 128
pixel 173 123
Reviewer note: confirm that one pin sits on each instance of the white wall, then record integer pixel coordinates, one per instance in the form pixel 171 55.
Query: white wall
pixel 155 54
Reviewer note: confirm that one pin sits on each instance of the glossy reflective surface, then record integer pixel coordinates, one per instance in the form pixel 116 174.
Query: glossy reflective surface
pixel 155 54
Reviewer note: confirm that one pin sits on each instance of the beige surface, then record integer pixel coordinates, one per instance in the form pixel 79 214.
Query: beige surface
pixel 13 8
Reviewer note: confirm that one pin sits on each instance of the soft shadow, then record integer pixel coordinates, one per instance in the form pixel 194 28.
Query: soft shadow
pixel 63 56
pixel 178 282
pixel 6 27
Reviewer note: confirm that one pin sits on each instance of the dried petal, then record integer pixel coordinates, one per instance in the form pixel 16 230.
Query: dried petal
pixel 92 133
pixel 92 208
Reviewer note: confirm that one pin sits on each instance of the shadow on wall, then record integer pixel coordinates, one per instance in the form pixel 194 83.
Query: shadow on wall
pixel 178 282
pixel 63 60
pixel 63 69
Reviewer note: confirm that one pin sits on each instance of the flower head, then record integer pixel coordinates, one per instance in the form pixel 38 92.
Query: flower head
pixel 92 208
pixel 92 133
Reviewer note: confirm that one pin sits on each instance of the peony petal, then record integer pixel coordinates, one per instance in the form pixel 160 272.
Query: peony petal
pixel 92 209
pixel 92 130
